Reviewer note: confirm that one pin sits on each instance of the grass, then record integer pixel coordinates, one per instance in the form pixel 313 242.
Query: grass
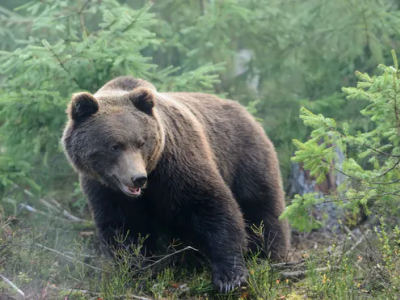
pixel 50 257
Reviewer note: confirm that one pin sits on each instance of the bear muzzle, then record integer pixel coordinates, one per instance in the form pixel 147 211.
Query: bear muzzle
pixel 134 189
pixel 130 172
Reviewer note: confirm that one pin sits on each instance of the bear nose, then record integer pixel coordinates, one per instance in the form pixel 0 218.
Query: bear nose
pixel 139 181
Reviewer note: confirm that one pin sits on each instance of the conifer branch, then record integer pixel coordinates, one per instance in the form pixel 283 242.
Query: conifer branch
pixel 364 145
pixel 133 22
pixel 202 7
pixel 366 30
pixel 380 152
pixel 388 171
pixel 81 18
pixel 371 182
pixel 396 111
pixel 48 47
pixel 84 6
pixel 395 193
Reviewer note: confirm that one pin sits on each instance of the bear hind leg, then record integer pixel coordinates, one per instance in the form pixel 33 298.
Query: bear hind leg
pixel 262 202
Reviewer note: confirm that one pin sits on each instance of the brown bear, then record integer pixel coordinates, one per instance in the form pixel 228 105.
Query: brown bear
pixel 190 164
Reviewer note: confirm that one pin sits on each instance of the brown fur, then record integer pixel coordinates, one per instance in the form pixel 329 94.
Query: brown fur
pixel 211 171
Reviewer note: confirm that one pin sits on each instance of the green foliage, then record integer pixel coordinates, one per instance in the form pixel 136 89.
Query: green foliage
pixel 389 250
pixel 71 48
pixel 302 57
pixel 371 166
pixel 299 211
pixel 54 262
pixel 299 56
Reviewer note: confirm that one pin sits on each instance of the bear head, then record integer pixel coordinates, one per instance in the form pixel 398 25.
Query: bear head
pixel 115 137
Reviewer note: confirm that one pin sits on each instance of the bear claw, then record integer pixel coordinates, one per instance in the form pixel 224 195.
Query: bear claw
pixel 226 283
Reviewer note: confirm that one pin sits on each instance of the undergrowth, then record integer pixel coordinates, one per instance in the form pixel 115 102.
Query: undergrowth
pixel 53 259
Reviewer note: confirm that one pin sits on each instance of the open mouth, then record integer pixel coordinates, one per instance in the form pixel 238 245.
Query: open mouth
pixel 131 191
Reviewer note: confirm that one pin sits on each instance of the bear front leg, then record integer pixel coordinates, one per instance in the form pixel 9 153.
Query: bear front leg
pixel 217 227
pixel 119 220
pixel 114 236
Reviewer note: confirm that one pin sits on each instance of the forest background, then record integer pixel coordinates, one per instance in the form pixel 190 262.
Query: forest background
pixel 274 57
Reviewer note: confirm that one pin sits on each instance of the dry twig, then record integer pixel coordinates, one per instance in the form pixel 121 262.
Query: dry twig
pixel 68 257
pixel 55 206
pixel 358 242
pixel 168 255
pixel 288 264
pixel 10 283
pixel 33 209
pixel 300 274
pixel 63 211
pixel 347 229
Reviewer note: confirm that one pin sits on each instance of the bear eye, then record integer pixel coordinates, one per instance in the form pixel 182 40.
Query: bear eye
pixel 115 148
pixel 141 144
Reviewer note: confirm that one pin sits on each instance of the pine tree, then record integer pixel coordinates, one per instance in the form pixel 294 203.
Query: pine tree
pixel 71 48
pixel 372 163
pixel 298 55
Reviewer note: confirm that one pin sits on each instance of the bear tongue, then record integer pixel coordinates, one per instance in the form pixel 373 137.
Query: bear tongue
pixel 135 190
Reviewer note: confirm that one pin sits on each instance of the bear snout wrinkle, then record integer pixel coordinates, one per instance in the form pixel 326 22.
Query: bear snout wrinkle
pixel 209 173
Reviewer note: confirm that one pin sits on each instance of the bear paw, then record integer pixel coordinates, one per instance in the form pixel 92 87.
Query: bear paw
pixel 226 280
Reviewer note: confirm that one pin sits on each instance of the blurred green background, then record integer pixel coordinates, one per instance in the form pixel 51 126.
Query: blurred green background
pixel 272 56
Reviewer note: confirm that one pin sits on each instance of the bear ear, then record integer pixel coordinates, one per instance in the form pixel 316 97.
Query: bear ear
pixel 143 99
pixel 82 105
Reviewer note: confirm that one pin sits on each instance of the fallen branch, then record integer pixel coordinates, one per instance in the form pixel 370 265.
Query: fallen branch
pixel 288 264
pixel 55 206
pixel 99 269
pixel 33 209
pixel 63 211
pixel 300 274
pixel 357 243
pixel 68 257
pixel 347 229
pixel 10 283
pixel 25 206
pixel 168 255
pixel 81 255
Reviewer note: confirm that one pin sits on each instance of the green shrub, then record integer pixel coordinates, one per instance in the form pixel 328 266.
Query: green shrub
pixel 372 158
pixel 71 48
